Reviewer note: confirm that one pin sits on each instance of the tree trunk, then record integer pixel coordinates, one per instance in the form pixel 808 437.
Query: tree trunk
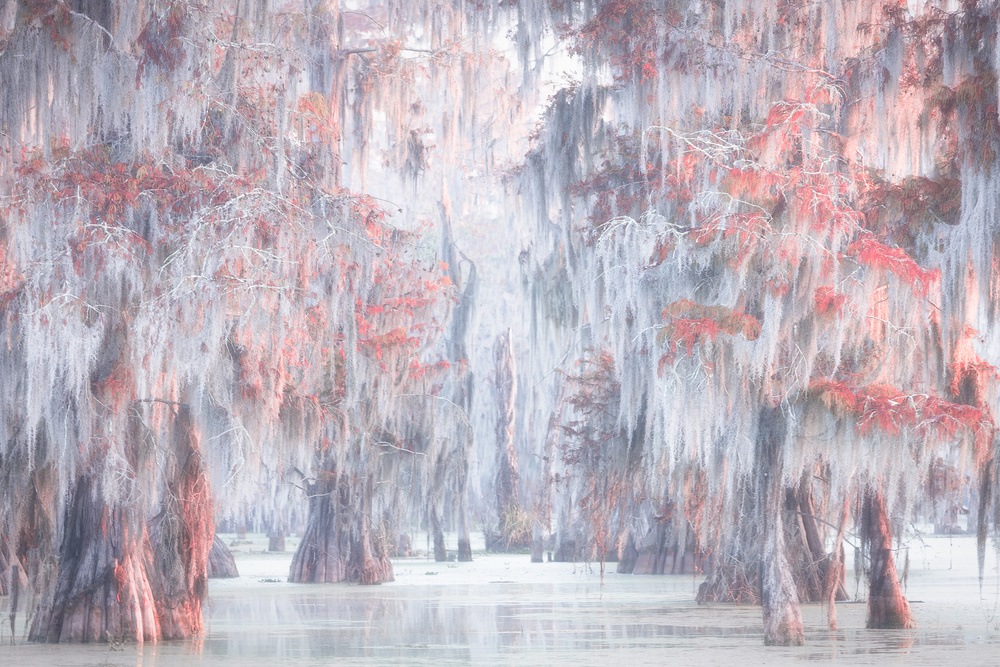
pixel 778 595
pixel 322 553
pixel 221 564
pixel 102 589
pixel 369 563
pixel 276 541
pixel 464 539
pixel 464 387
pixel 440 552
pixel 507 475
pixel 182 535
pixel 543 503
pixel 806 550
pixel 836 571
pixel 887 607
pixel 4 561
pixel 338 544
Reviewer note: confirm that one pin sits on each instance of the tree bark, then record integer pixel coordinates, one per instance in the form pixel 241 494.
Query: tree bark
pixel 276 541
pixel 464 538
pixel 221 564
pixel 102 589
pixel 778 595
pixel 5 559
pixel 369 562
pixel 507 474
pixel 339 544
pixel 464 387
pixel 887 607
pixel 322 553
pixel 440 552
pixel 806 550
pixel 836 571
pixel 276 532
pixel 183 535
pixel 543 504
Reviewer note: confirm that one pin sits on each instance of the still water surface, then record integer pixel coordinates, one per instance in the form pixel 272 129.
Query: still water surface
pixel 501 609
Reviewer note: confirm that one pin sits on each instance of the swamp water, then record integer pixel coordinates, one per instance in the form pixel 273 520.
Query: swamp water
pixel 502 609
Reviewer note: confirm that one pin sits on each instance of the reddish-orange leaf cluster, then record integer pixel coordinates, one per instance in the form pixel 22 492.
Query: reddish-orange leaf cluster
pixel 894 260
pixel 890 410
pixel 828 301
pixel 691 324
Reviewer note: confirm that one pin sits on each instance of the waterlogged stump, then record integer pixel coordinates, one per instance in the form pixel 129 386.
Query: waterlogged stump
pixel 887 607
pixel 102 589
pixel 221 564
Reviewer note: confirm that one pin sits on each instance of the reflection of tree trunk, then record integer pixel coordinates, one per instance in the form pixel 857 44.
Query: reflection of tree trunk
pixel 221 564
pixel 778 595
pixel 102 588
pixel 183 535
pixel 507 475
pixel 887 607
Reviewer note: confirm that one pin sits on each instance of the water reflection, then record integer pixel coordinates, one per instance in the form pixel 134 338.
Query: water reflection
pixel 459 622
pixel 529 614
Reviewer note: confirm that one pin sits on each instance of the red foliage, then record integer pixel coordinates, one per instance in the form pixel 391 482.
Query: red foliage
pixel 890 410
pixel 624 33
pixel 894 260
pixel 595 397
pixel 691 324
pixel 828 302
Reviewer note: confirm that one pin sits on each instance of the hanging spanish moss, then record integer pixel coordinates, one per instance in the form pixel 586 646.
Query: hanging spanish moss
pixel 700 288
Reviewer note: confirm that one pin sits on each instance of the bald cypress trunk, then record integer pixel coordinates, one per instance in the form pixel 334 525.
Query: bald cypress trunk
pixel 369 560
pixel 778 595
pixel 339 544
pixel 887 607
pixel 221 564
pixel 543 504
pixel 322 553
pixel 508 501
pixel 102 590
pixel 182 535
